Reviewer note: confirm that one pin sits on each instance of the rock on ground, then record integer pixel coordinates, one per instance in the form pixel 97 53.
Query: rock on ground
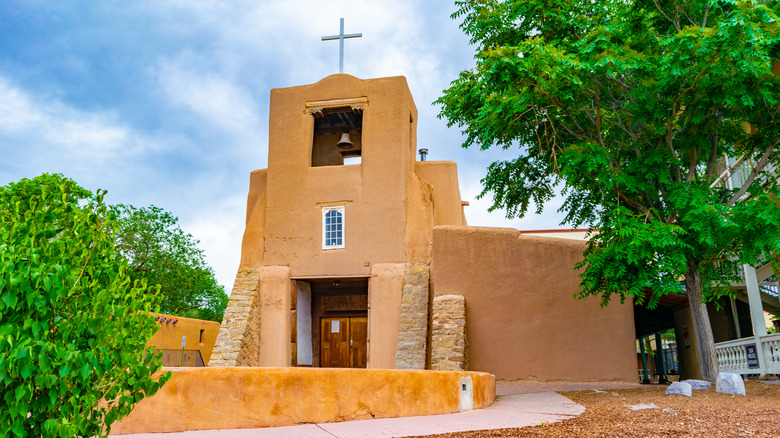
pixel 641 406
pixel 730 383
pixel 681 388
pixel 698 384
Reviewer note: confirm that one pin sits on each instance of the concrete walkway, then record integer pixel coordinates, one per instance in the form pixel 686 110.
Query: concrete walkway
pixel 509 411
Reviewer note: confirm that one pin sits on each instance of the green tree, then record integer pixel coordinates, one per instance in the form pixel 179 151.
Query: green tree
pixel 628 107
pixel 73 326
pixel 160 252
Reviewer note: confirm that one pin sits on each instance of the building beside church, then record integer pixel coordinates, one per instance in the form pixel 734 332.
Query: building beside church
pixel 184 342
pixel 357 254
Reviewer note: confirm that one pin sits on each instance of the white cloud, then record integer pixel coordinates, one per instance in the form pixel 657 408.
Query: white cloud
pixel 215 99
pixel 17 113
pixel 220 229
pixel 43 132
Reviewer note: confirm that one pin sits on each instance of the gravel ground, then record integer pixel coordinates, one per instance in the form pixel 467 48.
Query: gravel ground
pixel 706 414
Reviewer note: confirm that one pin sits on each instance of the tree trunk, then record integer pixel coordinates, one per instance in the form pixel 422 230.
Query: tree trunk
pixel 708 362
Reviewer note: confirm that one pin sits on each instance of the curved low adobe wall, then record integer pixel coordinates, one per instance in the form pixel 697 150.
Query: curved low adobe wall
pixel 241 397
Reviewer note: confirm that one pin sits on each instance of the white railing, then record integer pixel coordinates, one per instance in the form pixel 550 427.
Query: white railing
pixel 733 355
pixel 770 288
pixel 738 170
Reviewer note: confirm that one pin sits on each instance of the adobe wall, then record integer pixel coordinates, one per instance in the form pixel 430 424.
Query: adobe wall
pixel 169 336
pixel 234 398
pixel 252 242
pixel 419 205
pixel 522 322
pixel 384 313
pixel 275 317
pixel 443 177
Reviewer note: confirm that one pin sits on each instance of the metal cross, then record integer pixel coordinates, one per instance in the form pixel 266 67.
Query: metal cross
pixel 341 38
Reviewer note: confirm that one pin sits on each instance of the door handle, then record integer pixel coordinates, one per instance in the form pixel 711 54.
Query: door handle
pixel 350 342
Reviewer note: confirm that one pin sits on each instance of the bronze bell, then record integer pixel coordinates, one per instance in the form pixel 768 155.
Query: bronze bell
pixel 345 142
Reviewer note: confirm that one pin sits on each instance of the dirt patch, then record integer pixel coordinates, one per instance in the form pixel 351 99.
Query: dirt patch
pixel 706 414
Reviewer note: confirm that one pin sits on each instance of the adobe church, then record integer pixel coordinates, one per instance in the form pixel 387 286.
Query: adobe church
pixel 357 254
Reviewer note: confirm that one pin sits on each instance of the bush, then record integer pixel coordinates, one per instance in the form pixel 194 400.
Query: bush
pixel 73 327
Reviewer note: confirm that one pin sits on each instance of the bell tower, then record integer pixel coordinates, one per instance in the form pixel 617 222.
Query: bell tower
pixel 309 171
pixel 338 232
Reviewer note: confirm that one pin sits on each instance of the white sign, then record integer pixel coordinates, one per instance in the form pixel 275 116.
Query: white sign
pixel 183 338
pixel 335 326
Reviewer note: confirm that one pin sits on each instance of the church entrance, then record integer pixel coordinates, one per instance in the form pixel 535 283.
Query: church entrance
pixel 343 342
pixel 332 319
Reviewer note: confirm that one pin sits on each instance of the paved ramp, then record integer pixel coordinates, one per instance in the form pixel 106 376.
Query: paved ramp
pixel 510 411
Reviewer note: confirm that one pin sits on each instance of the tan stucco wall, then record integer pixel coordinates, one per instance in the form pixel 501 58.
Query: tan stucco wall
pixel 233 398
pixel 522 322
pixel 384 313
pixel 252 243
pixel 419 219
pixel 168 337
pixel 275 327
pixel 443 177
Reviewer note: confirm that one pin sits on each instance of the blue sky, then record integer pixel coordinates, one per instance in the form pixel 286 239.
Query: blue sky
pixel 166 102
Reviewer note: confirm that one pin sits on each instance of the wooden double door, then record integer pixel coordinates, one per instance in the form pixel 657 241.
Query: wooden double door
pixel 343 342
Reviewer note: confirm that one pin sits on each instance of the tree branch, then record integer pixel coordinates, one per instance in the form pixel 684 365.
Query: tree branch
pixel 670 146
pixel 623 84
pixel 676 25
pixel 759 167
pixel 692 157
pixel 630 202
pixel 713 158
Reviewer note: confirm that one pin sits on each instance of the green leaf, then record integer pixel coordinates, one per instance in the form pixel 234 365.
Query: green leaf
pixel 64 370
pixel 10 299
pixel 26 370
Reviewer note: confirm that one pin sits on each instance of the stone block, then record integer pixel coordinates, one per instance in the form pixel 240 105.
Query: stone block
pixel 698 384
pixel 237 343
pixel 681 388
pixel 413 326
pixel 448 336
pixel 730 383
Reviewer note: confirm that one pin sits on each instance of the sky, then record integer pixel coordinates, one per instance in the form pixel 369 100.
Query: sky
pixel 165 102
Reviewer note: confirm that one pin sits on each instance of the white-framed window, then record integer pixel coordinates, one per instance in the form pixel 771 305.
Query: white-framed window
pixel 332 227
